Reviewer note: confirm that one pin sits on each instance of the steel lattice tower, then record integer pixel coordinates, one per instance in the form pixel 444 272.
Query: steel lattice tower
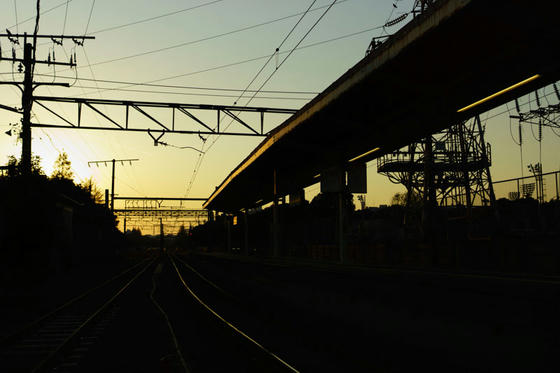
pixel 449 168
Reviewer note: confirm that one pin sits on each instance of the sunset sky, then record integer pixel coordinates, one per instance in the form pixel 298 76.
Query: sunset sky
pixel 184 49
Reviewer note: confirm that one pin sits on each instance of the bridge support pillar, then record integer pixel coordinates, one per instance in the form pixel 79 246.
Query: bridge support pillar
pixel 275 229
pixel 245 233
pixel 275 220
pixel 341 240
pixel 227 223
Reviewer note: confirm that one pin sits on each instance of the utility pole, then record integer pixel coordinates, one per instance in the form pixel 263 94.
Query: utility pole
pixel 161 234
pixel 27 66
pixel 26 104
pixel 112 161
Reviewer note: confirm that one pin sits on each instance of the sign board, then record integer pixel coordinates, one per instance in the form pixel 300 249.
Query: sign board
pixel 357 178
pixel 333 180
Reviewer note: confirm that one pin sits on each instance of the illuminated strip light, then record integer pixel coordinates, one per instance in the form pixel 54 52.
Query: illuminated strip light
pixel 363 155
pixel 317 176
pixel 510 88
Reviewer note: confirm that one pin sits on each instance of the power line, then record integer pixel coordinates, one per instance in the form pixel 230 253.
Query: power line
pixel 277 50
pixel 89 18
pixel 195 173
pixel 204 39
pixel 118 27
pixel 292 51
pixel 65 17
pixel 528 103
pixel 15 9
pixel 42 13
pixel 179 86
pixel 219 67
pixel 190 94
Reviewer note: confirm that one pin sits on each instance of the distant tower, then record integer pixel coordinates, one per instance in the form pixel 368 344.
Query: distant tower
pixel 449 168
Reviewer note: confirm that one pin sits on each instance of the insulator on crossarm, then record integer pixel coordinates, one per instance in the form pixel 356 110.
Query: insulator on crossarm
pixel 538 99
pixel 517 106
pixel 71 62
pixel 53 56
pixel 49 60
pixel 75 59
pixel 13 55
pixel 540 129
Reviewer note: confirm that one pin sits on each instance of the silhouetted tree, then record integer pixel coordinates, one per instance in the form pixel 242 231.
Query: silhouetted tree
pixel 14 166
pixel 400 199
pixel 95 193
pixel 62 167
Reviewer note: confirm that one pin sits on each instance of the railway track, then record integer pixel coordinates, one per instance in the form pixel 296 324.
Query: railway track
pixel 250 354
pixel 59 340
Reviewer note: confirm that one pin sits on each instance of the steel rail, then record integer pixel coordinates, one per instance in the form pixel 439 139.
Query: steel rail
pixel 205 279
pixel 5 342
pixel 47 362
pixel 263 349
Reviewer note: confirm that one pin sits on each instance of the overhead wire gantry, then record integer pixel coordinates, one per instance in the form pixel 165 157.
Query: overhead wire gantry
pixel 190 111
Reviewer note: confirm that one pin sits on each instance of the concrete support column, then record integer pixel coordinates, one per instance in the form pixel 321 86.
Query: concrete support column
pixel 275 220
pixel 341 240
pixel 227 223
pixel 275 229
pixel 161 246
pixel 246 233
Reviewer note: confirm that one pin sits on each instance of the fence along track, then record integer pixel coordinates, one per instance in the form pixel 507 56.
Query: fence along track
pixel 41 344
pixel 240 333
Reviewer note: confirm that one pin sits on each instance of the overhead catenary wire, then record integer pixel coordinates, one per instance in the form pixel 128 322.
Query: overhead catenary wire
pixel 65 17
pixel 276 51
pixel 144 20
pixel 89 18
pixel 219 67
pixel 529 101
pixel 158 50
pixel 153 18
pixel 292 51
pixel 16 13
pixel 17 24
pixel 388 22
pixel 201 158
pixel 104 89
pixel 174 86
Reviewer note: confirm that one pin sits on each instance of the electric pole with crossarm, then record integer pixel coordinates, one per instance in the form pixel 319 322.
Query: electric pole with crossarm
pixel 112 161
pixel 27 66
